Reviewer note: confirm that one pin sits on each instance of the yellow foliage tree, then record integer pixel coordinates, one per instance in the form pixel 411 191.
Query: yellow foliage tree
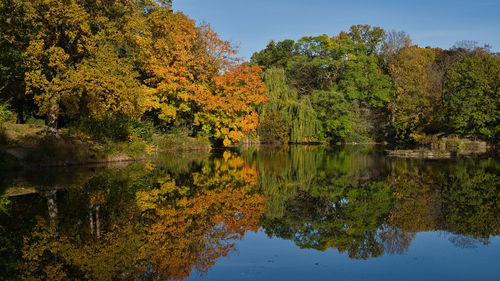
pixel 417 90
pixel 60 35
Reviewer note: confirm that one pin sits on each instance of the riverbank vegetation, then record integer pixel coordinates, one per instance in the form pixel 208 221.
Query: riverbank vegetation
pixel 131 77
pixel 116 71
pixel 368 85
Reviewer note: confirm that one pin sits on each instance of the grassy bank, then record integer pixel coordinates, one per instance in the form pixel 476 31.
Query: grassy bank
pixel 26 144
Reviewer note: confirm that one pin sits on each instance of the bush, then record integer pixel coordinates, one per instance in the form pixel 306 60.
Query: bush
pixel 3 136
pixel 6 115
pixel 178 138
pixel 274 128
pixel 115 129
pixel 134 149
pixel 143 130
pixel 4 205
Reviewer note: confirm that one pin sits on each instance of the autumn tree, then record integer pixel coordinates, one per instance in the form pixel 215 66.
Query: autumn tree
pixel 417 97
pixel 104 85
pixel 195 79
pixel 61 37
pixel 228 112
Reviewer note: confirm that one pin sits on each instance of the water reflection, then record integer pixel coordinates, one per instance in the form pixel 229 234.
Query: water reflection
pixel 166 218
pixel 148 221
pixel 365 204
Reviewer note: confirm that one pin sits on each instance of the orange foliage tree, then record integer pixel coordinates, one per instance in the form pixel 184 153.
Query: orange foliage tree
pixel 229 110
pixel 195 78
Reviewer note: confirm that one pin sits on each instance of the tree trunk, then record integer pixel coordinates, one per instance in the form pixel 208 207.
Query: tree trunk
pixel 54 112
pixel 20 111
pixel 52 117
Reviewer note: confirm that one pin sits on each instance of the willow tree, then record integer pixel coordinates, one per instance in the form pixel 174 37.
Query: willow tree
pixel 285 110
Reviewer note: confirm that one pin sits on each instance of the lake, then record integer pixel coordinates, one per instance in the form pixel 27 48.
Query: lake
pixel 265 213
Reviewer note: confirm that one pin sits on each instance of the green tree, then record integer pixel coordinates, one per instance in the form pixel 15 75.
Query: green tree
pixel 275 54
pixel 370 36
pixel 337 81
pixel 13 39
pixel 472 96
pixel 333 112
pixel 287 110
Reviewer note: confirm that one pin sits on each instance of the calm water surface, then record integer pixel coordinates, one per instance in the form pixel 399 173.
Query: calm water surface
pixel 289 213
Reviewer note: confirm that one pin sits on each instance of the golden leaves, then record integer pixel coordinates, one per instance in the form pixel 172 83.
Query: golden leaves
pixel 229 111
pixel 105 84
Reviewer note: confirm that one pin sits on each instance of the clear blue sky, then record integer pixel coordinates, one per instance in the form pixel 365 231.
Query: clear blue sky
pixel 251 24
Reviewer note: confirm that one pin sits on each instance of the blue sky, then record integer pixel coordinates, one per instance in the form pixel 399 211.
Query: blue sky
pixel 251 24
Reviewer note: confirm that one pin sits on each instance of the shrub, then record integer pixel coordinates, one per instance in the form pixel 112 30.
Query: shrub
pixel 115 129
pixel 3 136
pixel 178 138
pixel 143 130
pixel 274 128
pixel 6 115
pixel 4 205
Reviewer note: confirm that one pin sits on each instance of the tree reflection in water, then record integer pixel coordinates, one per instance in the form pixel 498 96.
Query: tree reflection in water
pixel 360 202
pixel 163 219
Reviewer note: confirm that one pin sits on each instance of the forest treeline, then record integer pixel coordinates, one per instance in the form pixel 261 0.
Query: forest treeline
pixel 111 68
pixel 103 65
pixel 368 84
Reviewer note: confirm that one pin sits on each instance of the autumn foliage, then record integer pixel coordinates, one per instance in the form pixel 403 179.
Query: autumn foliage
pixel 95 60
pixel 229 111
pixel 197 81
